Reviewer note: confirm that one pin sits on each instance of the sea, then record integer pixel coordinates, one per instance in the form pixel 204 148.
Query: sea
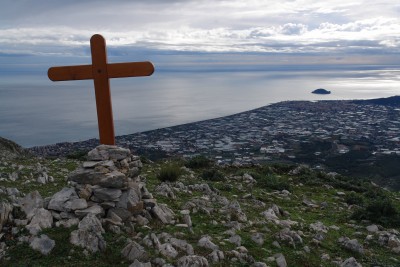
pixel 35 111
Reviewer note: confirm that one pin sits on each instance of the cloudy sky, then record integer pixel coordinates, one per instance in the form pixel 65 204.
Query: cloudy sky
pixel 362 30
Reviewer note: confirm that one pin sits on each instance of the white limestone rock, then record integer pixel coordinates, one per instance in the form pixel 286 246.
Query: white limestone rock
pixel 43 244
pixel 133 251
pixel 58 200
pixel 88 235
pixel 31 202
pixel 192 261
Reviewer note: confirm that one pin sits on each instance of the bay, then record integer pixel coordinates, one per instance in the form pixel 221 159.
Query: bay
pixel 35 111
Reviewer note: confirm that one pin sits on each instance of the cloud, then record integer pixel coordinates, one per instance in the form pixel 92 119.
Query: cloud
pixel 302 26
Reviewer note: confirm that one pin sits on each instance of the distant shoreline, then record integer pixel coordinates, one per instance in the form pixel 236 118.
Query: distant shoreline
pixel 68 147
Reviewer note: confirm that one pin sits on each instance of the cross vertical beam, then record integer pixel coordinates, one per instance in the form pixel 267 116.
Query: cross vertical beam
pixel 102 90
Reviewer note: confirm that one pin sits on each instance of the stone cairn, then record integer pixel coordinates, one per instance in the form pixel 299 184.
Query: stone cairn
pixel 106 191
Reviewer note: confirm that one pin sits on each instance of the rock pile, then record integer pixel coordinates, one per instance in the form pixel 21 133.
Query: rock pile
pixel 105 191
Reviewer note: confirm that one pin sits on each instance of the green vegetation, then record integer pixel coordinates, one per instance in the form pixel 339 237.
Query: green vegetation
pixel 169 172
pixel 370 204
pixel 198 162
pixel 213 175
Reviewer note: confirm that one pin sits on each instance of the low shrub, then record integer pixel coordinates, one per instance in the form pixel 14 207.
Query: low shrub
pixel 213 175
pixel 169 172
pixel 380 210
pixel 354 199
pixel 273 182
pixel 198 162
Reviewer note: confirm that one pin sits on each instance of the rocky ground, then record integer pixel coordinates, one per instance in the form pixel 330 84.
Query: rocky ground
pixel 112 209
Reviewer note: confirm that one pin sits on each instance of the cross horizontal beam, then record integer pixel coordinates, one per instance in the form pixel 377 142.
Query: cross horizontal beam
pixel 114 70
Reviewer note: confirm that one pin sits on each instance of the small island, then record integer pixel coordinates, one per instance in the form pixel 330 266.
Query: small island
pixel 321 91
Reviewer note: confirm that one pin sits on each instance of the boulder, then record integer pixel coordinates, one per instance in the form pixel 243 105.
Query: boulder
pixel 350 262
pixel 5 210
pixel 206 242
pixel 137 263
pixel 41 219
pixel 192 261
pixel 95 209
pixel 163 213
pixel 351 244
pixel 216 256
pixel 258 238
pixel 133 251
pixel 107 194
pixel 43 244
pixel 107 179
pixel 129 198
pixel 319 227
pixel 373 228
pixel 280 260
pixel 31 202
pixel 167 250
pixel 76 204
pixel 88 235
pixel 58 200
pixel 108 152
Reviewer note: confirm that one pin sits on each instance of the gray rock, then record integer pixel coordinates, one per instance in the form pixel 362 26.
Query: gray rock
pixel 372 228
pixel 258 238
pixel 259 264
pixel 76 204
pixel 107 152
pixel 182 245
pixel 280 260
pixel 167 250
pixel 112 179
pixel 137 263
pixel 92 164
pixel 31 202
pixel 107 194
pixel 290 237
pixel 58 200
pixel 68 223
pixel 350 262
pixel 192 261
pixel 43 244
pixel 319 227
pixel 88 235
pixel 133 251
pixel 393 242
pixel 124 214
pixel 236 240
pixel 206 242
pixel 165 190
pixel 94 209
pixel 236 212
pixel 270 215
pixel 129 198
pixel 216 256
pixel 163 213
pixel 351 244
pixel 5 210
pixel 41 219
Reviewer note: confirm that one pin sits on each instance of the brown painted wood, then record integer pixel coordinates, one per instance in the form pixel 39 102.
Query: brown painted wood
pixel 114 70
pixel 130 69
pixel 100 71
pixel 68 73
pixel 102 90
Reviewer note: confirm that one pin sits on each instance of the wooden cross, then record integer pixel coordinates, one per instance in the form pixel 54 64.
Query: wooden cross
pixel 101 71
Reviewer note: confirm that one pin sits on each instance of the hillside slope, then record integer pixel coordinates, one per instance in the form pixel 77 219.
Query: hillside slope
pixel 193 212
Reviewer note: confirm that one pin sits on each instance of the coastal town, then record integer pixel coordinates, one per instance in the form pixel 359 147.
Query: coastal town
pixel 291 131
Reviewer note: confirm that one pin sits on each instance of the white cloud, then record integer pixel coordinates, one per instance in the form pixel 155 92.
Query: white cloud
pixel 254 25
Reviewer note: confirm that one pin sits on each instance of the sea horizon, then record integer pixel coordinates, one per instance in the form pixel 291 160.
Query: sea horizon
pixel 35 111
